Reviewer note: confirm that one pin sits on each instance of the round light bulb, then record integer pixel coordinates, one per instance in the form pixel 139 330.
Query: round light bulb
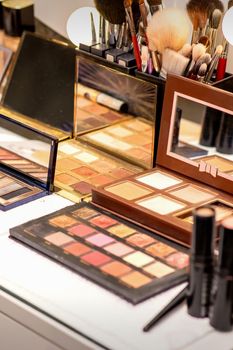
pixel 78 26
pixel 227 25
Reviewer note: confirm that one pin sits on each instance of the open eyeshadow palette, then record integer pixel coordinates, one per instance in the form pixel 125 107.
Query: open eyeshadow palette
pixel 27 163
pixel 121 110
pixel 163 198
pixel 41 84
pixel 79 168
pixel 112 252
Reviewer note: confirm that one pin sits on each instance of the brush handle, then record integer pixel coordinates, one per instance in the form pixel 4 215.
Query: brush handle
pixel 221 68
pixel 136 52
pixel 169 307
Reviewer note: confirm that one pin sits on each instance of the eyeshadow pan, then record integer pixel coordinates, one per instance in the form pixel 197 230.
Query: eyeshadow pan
pixel 77 249
pixel 136 279
pixel 81 230
pixel 67 164
pixel 86 157
pixel 10 188
pixel 116 269
pixel 68 149
pixel 85 213
pixel 119 249
pixel 66 179
pixel 158 269
pixel 192 194
pixel 85 171
pixel 41 229
pixel 16 193
pixel 100 239
pixel 137 125
pixel 128 190
pixel 103 221
pixel 62 221
pixel 83 187
pixel 59 238
pixel 138 259
pixel 101 180
pixel 140 240
pixel 96 258
pixel 121 230
pixel 160 250
pixel 120 131
pixel 161 205
pixel 178 260
pixel 159 180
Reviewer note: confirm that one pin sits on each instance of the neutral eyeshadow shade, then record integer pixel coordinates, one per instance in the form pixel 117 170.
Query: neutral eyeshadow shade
pixel 160 250
pixel 66 179
pixel 86 157
pixel 137 125
pixel 192 194
pixel 120 131
pixel 161 205
pixel 116 269
pixel 85 213
pixel 109 141
pixel 77 249
pixel 59 239
pixel 63 221
pixel 138 259
pixel 100 240
pixel 158 269
pixel 121 230
pixel 128 190
pixel 178 260
pixel 118 249
pixel 159 180
pixel 68 149
pixel 141 240
pixel 135 279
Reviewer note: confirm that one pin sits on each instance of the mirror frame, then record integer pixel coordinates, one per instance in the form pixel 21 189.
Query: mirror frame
pixel 208 95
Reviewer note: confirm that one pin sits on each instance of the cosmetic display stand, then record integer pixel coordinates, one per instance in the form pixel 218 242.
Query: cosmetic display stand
pixel 47 306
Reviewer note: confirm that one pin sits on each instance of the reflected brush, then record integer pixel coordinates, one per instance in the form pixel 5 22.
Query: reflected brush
pixel 213 63
pixel 214 25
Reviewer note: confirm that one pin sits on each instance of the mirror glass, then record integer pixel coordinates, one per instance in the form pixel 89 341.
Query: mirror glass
pixel 202 134
pixel 116 112
pixel 24 150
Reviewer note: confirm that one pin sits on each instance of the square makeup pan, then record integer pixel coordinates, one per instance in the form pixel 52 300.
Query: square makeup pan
pixel 80 167
pixel 116 254
pixel 161 201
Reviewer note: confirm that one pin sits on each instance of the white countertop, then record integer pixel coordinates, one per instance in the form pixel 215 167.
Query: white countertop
pixel 92 310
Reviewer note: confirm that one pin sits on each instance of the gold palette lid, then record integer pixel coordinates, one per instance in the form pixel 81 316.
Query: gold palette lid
pixel 41 84
pixel 196 134
pixel 17 4
pixel 27 153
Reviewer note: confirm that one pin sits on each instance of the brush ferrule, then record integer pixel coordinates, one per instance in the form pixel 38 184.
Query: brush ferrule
pixel 130 20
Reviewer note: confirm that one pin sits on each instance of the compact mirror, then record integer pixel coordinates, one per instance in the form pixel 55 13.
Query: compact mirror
pixel 26 153
pixel 203 134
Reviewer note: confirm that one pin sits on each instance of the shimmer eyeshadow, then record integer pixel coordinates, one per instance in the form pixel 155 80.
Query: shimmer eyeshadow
pixel 161 205
pixel 85 213
pixel 63 221
pixel 100 239
pixel 86 157
pixel 159 180
pixel 118 249
pixel 160 250
pixel 178 260
pixel 103 221
pixel 140 240
pixel 138 259
pixel 121 230
pixel 67 149
pixel 128 190
pixel 192 194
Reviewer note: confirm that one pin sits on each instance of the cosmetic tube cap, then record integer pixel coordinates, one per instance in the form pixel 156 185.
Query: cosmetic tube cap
pixel 203 233
pixel 226 246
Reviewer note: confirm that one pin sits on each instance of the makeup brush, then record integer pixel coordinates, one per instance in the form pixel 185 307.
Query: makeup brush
pixel 198 51
pixel 186 50
pixel 206 58
pixel 93 30
pixel 202 72
pixel 130 20
pixel 179 298
pixel 168 29
pixel 155 5
pixel 173 62
pixel 214 25
pixel 213 63
pixel 198 13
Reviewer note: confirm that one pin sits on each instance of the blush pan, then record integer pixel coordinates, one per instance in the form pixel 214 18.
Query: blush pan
pixel 108 250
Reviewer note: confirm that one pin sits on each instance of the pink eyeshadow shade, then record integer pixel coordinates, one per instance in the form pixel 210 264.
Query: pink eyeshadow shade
pixel 118 249
pixel 103 221
pixel 96 258
pixel 178 260
pixel 100 240
pixel 85 171
pixel 81 230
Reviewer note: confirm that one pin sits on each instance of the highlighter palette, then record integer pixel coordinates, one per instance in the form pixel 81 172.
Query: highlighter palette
pixel 27 163
pixel 112 252
pixel 163 198
pixel 130 140
pixel 80 168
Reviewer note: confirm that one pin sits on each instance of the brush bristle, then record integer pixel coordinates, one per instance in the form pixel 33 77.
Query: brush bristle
pixel 198 51
pixel 169 28
pixel 202 70
pixel 216 18
pixel 174 63
pixel 230 4
pixel 154 2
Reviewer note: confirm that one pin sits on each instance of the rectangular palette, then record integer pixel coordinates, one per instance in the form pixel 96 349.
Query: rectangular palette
pixel 163 201
pixel 131 140
pixel 110 251
pixel 80 168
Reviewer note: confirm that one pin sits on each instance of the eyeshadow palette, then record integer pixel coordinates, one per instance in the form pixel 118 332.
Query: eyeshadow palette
pixel 163 199
pixel 112 252
pixel 130 140
pixel 41 84
pixel 27 163
pixel 79 168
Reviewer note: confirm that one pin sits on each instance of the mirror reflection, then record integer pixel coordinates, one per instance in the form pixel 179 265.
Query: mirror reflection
pixel 203 133
pixel 117 113
pixel 24 150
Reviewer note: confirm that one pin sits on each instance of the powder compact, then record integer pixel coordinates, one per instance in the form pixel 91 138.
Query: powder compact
pixel 27 163
pixel 188 175
pixel 116 254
